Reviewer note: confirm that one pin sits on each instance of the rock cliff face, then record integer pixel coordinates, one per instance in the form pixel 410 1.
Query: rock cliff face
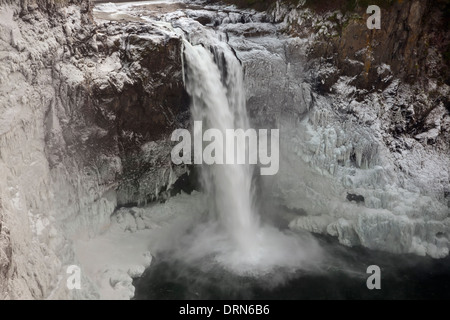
pixel 85 113
pixel 413 40
pixel 139 104
pixel 406 59
pixel 368 105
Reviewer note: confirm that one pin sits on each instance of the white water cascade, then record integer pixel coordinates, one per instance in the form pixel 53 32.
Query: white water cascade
pixel 237 238
pixel 222 107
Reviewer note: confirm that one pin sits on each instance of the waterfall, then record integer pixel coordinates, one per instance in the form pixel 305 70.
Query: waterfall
pixel 218 100
pixel 234 235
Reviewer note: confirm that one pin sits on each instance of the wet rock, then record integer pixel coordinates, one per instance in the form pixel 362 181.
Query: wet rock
pixel 355 197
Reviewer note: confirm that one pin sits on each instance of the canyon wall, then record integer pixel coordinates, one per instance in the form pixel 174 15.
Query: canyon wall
pixel 85 115
pixel 364 114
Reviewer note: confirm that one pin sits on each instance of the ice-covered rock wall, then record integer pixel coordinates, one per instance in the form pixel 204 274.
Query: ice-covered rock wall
pixel 365 149
pixel 85 114
pixel 28 119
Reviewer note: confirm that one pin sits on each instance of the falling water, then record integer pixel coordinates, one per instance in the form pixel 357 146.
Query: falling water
pixel 218 100
pixel 238 239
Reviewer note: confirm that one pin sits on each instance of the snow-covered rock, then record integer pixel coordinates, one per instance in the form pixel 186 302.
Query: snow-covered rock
pixel 76 123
